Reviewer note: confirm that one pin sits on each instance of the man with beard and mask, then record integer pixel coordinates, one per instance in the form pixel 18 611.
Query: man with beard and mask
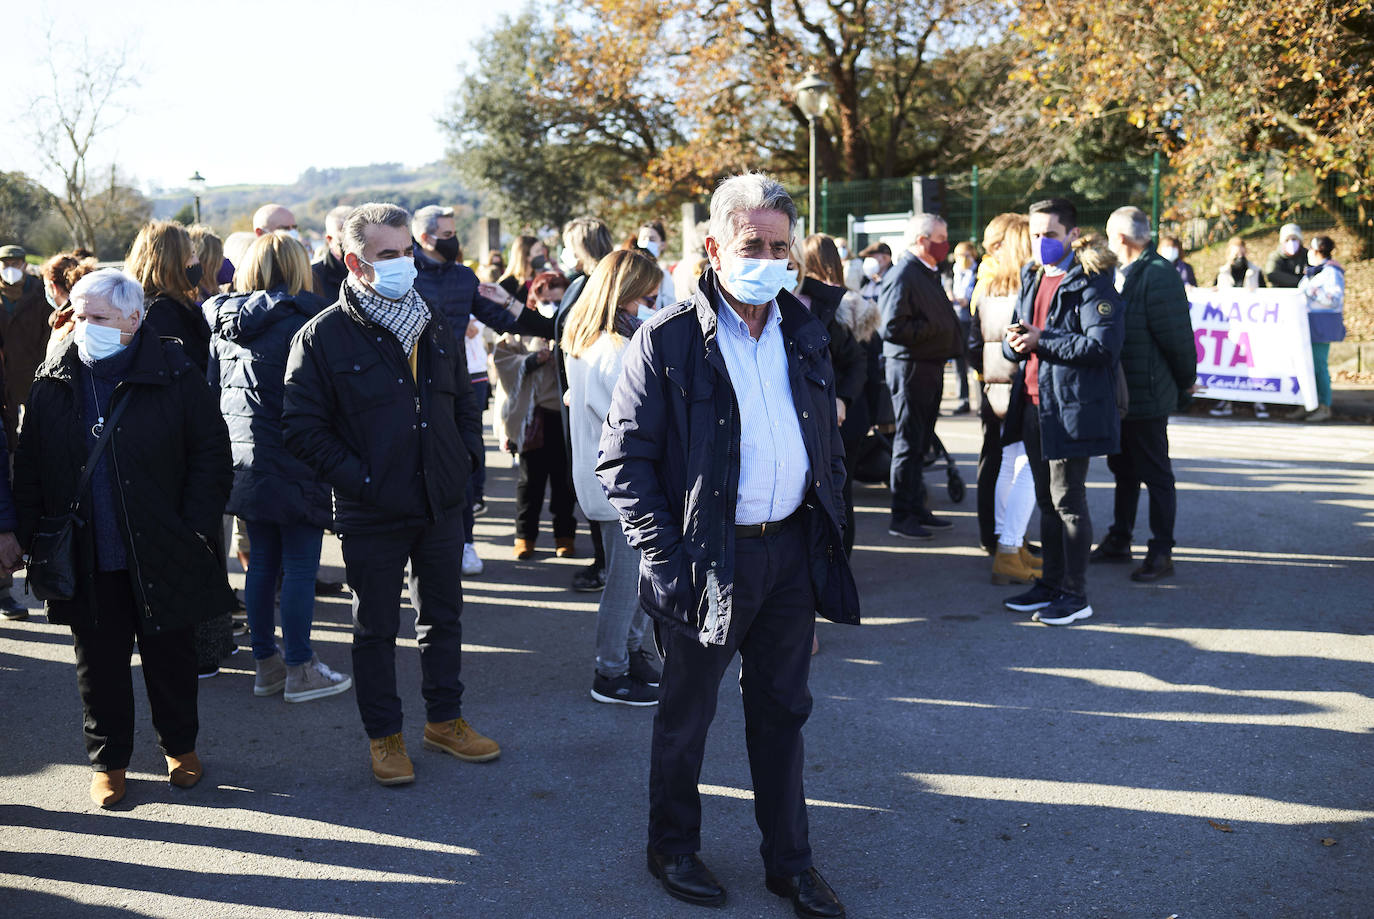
pixel 1160 361
pixel 1287 264
pixel 722 454
pixel 272 217
pixel 920 331
pixel 24 333
pixel 1069 329
pixel 378 403
pixel 329 270
pixel 451 288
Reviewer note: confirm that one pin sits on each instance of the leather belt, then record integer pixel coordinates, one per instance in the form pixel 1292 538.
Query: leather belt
pixel 772 527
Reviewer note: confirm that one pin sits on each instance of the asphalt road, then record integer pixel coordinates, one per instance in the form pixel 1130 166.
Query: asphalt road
pixel 1199 748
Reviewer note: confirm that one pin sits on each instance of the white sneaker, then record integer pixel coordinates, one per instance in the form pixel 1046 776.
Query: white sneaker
pixel 471 563
pixel 1222 410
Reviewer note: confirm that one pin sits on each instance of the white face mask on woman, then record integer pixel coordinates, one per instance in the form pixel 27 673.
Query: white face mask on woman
pixel 1292 246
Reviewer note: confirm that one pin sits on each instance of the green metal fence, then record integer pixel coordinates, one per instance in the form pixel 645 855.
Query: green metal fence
pixel 969 200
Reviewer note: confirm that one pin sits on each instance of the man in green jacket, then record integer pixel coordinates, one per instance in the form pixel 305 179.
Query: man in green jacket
pixel 1160 362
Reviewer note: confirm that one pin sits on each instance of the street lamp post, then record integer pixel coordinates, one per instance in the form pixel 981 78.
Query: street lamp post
pixel 812 99
pixel 197 188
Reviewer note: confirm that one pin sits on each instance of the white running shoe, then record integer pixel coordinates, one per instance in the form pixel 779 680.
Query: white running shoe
pixel 472 565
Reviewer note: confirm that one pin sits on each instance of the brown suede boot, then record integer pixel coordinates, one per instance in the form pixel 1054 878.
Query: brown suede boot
pixel 564 546
pixel 1035 564
pixel 524 548
pixel 107 788
pixel 461 740
pixel 1009 568
pixel 390 763
pixel 185 770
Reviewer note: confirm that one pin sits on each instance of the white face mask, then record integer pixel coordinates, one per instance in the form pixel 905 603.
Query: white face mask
pixel 12 275
pixel 567 260
pixel 1291 246
pixel 294 234
pixel 872 267
pixel 646 241
pixel 97 342
pixel 1169 252
pixel 548 310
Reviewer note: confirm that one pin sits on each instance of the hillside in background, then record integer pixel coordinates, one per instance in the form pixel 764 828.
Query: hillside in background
pixel 229 208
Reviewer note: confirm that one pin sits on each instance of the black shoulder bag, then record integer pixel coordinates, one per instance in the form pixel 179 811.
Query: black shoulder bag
pixel 52 559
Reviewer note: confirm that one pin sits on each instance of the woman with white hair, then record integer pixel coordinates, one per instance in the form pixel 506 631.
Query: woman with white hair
pixel 135 410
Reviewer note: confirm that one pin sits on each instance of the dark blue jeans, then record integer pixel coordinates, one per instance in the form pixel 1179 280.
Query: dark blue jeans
pixel 477 482
pixel 294 553
pixel 375 563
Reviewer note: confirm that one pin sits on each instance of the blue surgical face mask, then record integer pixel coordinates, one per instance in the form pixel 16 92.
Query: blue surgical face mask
pixel 646 313
pixel 97 342
pixel 791 282
pixel 755 281
pixel 1049 252
pixel 393 277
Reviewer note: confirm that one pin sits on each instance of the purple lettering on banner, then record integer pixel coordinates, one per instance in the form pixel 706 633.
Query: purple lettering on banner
pixel 1245 384
pixel 1243 354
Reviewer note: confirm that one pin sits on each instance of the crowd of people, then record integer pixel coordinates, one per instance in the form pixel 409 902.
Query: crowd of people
pixel 708 419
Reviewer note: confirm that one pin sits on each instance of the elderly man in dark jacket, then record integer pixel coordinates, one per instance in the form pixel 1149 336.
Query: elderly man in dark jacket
pixel 920 333
pixel 722 454
pixel 146 561
pixel 378 403
pixel 1069 327
pixel 1160 361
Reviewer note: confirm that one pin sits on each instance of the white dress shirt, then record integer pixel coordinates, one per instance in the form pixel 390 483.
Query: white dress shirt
pixel 774 469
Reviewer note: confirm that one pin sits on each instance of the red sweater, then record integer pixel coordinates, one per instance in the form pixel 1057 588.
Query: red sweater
pixel 1044 296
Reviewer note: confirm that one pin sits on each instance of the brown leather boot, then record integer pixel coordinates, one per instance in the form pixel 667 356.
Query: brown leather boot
pixel 564 546
pixel 458 738
pixel 107 788
pixel 390 763
pixel 185 770
pixel 1009 568
pixel 524 548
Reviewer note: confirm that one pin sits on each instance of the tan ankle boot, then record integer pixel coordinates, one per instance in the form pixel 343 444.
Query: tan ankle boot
pixel 185 770
pixel 390 763
pixel 107 788
pixel 524 548
pixel 1032 562
pixel 1009 568
pixel 565 546
pixel 460 739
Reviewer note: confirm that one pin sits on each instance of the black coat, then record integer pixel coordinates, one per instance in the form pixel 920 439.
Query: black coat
pixel 919 323
pixel 397 450
pixel 170 318
pixel 328 275
pixel 847 356
pixel 249 344
pixel 172 472
pixel 450 289
pixel 670 464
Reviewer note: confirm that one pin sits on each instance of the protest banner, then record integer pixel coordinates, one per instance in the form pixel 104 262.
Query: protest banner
pixel 1253 346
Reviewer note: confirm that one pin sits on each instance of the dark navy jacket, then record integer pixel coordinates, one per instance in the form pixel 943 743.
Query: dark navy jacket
pixel 1078 351
pixel 450 289
pixel 669 462
pixel 9 518
pixel 250 340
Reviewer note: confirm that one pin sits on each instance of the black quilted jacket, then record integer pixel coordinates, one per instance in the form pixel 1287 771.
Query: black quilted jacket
pixel 172 475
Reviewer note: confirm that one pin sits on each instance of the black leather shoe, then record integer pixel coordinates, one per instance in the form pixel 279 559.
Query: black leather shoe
pixel 811 896
pixel 1155 566
pixel 1111 549
pixel 687 879
pixel 325 588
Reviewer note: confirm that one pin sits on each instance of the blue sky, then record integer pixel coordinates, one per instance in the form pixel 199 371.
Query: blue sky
pixel 251 91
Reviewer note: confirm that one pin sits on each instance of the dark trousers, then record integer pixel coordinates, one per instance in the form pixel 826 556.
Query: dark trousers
pixel 851 451
pixel 916 387
pixel 543 469
pixel 961 362
pixel 105 679
pixel 375 563
pixel 477 481
pixel 1061 493
pixel 1144 458
pixel 989 465
pixel 772 623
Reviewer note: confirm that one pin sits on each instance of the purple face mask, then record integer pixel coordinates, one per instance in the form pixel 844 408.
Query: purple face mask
pixel 1049 251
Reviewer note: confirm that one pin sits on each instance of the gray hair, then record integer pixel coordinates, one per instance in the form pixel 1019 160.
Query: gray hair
pixel 334 220
pixel 110 285
pixel 921 225
pixel 426 220
pixel 372 214
pixel 752 191
pixel 589 239
pixel 1133 223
